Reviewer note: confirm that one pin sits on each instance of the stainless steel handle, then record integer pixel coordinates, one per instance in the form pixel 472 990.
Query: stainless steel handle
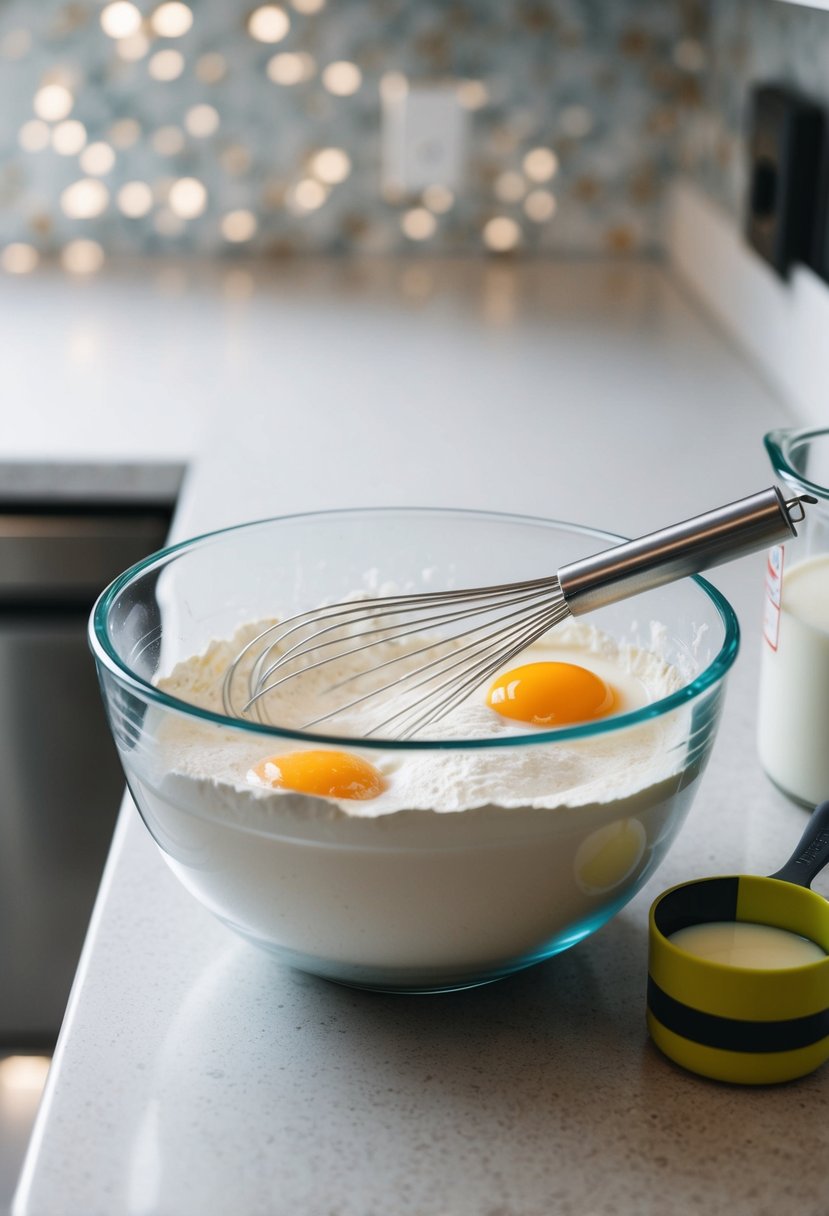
pixel 696 544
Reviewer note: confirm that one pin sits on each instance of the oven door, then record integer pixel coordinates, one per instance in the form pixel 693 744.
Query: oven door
pixel 60 780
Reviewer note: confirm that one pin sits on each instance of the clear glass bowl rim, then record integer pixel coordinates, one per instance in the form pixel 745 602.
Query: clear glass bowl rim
pixel 781 445
pixel 105 654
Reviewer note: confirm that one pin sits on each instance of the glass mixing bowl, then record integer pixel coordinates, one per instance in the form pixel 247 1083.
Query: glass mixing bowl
pixel 412 900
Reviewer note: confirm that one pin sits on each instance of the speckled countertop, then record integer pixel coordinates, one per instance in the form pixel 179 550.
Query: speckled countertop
pixel 195 1075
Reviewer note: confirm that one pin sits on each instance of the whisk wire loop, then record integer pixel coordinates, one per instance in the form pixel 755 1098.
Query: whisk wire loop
pixel 438 666
pixel 512 616
pixel 379 635
pixel 501 611
pixel 474 677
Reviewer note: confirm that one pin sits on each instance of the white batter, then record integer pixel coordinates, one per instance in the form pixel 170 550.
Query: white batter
pixel 738 943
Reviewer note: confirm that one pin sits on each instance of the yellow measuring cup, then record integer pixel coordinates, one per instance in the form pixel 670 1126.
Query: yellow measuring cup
pixel 743 1020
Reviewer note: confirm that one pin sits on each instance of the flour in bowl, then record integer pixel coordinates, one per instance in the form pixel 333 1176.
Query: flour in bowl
pixel 472 858
pixel 454 779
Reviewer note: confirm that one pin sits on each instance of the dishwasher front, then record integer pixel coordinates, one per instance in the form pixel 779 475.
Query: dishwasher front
pixel 60 779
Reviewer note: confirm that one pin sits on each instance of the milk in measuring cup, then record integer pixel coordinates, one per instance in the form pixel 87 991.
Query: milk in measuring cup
pixel 793 725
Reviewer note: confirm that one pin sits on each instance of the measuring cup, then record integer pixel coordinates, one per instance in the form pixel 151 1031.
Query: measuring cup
pixel 749 1025
pixel 793 712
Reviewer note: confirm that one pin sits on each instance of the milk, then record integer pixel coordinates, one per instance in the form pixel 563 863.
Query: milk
pixel 793 723
pixel 745 944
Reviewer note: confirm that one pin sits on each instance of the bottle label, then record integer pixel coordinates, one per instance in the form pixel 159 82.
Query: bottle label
pixel 774 586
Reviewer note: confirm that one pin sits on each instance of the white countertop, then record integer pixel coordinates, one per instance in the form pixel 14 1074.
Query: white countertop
pixel 196 1075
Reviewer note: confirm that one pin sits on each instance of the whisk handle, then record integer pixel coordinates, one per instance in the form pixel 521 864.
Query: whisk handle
pixel 685 548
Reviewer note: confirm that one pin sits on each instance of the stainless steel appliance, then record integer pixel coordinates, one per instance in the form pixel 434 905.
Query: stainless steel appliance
pixel 60 780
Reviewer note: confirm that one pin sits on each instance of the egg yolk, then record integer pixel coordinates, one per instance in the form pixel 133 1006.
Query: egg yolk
pixel 551 694
pixel 328 774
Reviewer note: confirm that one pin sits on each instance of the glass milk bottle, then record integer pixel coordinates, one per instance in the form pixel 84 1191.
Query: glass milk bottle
pixel 793 722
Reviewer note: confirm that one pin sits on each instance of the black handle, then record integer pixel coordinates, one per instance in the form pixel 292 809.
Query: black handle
pixel 812 852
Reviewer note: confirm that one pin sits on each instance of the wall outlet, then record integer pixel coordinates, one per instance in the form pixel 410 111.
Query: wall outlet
pixel 784 157
pixel 424 137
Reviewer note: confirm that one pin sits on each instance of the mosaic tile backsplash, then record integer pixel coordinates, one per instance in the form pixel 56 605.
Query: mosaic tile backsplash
pixel 748 41
pixel 213 127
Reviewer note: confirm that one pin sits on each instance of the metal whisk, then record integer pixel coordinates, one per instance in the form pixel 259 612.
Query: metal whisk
pixel 470 634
